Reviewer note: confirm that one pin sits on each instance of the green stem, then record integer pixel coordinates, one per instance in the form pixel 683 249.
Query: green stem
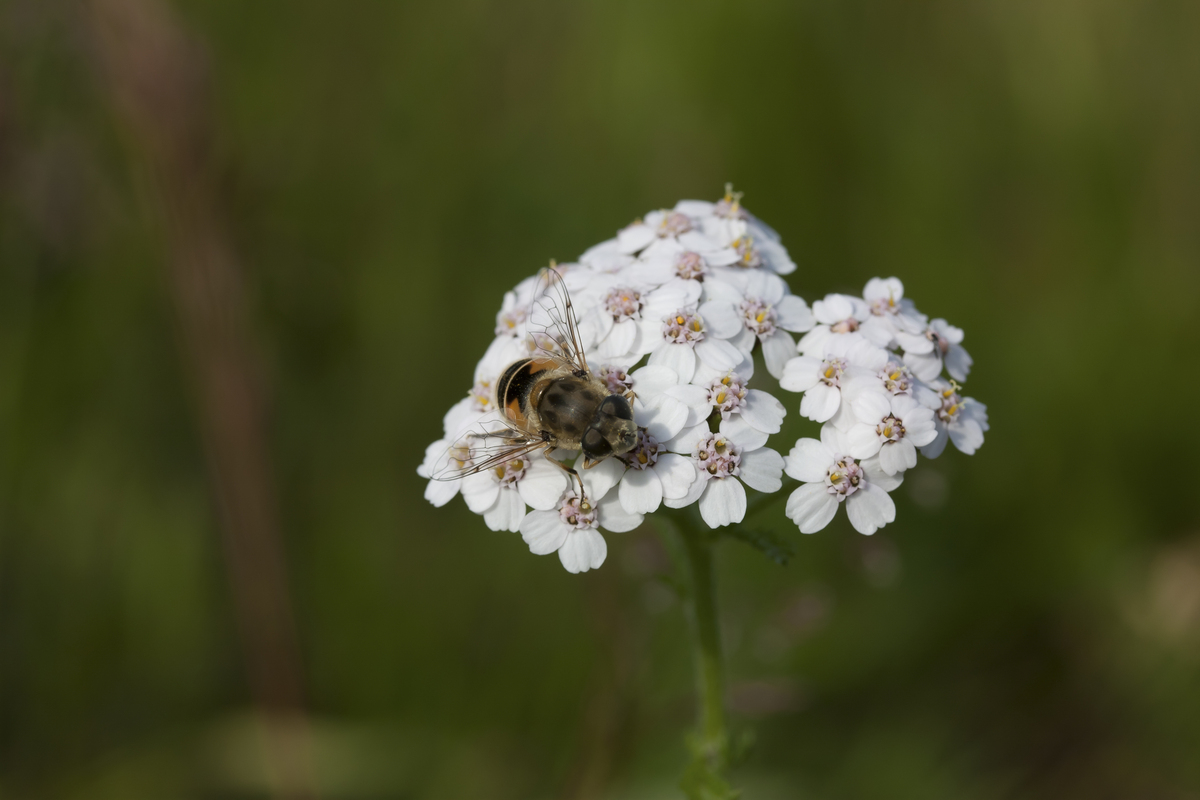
pixel 713 738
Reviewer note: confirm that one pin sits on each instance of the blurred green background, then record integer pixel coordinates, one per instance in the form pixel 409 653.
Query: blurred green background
pixel 1029 627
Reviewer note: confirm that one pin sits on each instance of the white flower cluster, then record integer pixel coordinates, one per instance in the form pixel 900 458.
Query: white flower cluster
pixel 671 310
pixel 871 371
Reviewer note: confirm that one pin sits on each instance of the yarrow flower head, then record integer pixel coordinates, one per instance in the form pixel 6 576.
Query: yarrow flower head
pixel 624 385
pixel 571 529
pixel 962 420
pixel 718 461
pixel 833 477
pixel 869 370
pixel 939 344
pixel 894 431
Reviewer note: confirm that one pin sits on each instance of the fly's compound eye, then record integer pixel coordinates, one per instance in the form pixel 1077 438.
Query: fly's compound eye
pixel 595 446
pixel 617 406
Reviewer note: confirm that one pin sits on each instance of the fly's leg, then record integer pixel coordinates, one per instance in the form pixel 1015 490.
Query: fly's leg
pixel 569 470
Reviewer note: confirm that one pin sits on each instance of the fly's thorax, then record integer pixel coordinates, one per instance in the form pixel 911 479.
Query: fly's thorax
pixel 565 406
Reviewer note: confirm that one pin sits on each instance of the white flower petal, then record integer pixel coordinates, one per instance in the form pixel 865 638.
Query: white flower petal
pixel 544 532
pixel 435 453
pixel 833 308
pixel 696 400
pixel 870 508
pixel 723 502
pixel 861 353
pixel 897 456
pixel 500 353
pixel 763 411
pixel 620 339
pixel 778 349
pixel 864 440
pixel 913 343
pixel 800 374
pixel 775 255
pixel 696 209
pixel 978 412
pixel 652 267
pixel 678 357
pixel 584 549
pixel 663 421
pixel 718 354
pixel 820 402
pixel 844 419
pixel 601 477
pixel 835 439
pixel 814 342
pixel 925 366
pixel 694 492
pixel 507 513
pixel 919 429
pixel 543 484
pixel 668 298
pixel 875 475
pixel 877 331
pixel 649 336
pixel 927 397
pixel 742 433
pixel 597 323
pixel 652 380
pixel 462 415
pixel 640 491
pixel 676 473
pixel 705 374
pixel 811 507
pixel 662 250
pixel 761 469
pixel 697 242
pixel 721 319
pixel 724 257
pixel 745 339
pixel 958 363
pixel 808 461
pixel 613 516
pixel 479 491
pixel 718 290
pixel 967 435
pixel 634 238
pixel 441 492
pixel 768 287
pixel 605 257
pixel 884 289
pixel 793 314
pixel 871 404
pixel 935 448
pixel 949 332
pixel 903 406
pixel 687 439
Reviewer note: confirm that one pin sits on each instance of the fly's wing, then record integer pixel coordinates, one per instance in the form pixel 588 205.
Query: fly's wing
pixel 553 325
pixel 476 451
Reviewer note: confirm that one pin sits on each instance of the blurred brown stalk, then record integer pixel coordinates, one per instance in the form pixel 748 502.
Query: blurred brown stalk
pixel 155 77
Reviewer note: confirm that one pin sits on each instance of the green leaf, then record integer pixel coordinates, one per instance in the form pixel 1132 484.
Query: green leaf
pixel 771 545
pixel 701 782
pixel 740 745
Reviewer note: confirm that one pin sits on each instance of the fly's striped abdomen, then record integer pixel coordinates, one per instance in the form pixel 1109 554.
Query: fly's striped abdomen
pixel 516 383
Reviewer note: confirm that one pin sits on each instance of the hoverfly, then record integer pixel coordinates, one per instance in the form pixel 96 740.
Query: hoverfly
pixel 550 400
